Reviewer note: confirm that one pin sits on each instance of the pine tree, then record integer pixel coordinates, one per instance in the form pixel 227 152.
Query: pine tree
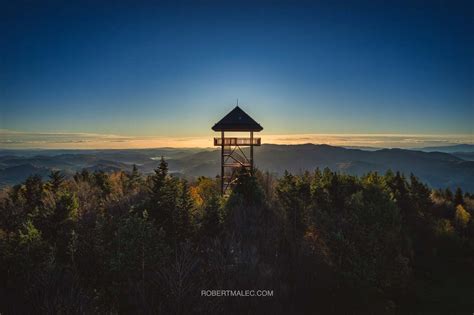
pixel 84 176
pixel 158 179
pixel 400 193
pixel 211 220
pixel 163 199
pixel 458 197
pixel 34 193
pixel 182 213
pixel 420 195
pixel 61 223
pixel 448 195
pixel 103 182
pixel 56 178
pixel 244 210
pixel 133 179
pixel 288 197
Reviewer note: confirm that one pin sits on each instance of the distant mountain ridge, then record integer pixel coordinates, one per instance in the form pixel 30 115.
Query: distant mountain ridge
pixel 438 169
pixel 450 148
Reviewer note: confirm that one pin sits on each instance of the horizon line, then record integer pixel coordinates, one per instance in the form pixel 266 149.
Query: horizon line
pixel 83 141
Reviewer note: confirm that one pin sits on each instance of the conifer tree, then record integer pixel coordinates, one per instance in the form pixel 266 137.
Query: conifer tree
pixel 400 193
pixel 56 178
pixel 211 221
pixel 288 196
pixel 158 179
pixel 61 223
pixel 458 197
pixel 163 199
pixel 133 179
pixel 243 213
pixel 448 195
pixel 419 195
pixel 101 179
pixel 182 213
pixel 34 193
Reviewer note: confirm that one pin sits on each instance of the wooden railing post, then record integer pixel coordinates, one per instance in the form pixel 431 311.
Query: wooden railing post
pixel 222 162
pixel 251 152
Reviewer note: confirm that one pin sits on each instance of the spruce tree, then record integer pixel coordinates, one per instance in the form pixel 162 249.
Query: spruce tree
pixel 420 195
pixel 163 198
pixel 102 181
pixel 400 193
pixel 158 179
pixel 211 220
pixel 133 179
pixel 56 178
pixel 448 195
pixel 458 197
pixel 182 213
pixel 34 193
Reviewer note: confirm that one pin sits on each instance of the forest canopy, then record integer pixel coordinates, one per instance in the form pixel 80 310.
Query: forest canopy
pixel 323 241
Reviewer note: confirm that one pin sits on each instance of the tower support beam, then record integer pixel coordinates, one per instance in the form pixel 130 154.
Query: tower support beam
pixel 222 162
pixel 251 152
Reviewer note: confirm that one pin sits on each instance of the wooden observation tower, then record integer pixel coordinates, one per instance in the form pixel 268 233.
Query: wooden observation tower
pixel 233 152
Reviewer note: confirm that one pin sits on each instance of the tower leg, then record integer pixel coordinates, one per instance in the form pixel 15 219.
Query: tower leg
pixel 222 162
pixel 251 152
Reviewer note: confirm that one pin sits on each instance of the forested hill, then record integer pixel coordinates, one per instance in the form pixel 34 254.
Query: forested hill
pixel 435 168
pixel 322 242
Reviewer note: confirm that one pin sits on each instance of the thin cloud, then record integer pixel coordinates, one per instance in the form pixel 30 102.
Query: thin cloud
pixel 10 139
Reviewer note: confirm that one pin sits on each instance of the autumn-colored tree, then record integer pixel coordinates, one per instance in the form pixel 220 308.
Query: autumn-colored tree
pixel 461 217
pixel 114 243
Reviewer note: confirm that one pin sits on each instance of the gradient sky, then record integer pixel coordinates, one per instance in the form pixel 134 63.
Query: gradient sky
pixel 138 68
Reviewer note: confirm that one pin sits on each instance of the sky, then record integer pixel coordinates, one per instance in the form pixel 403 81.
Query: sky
pixel 150 73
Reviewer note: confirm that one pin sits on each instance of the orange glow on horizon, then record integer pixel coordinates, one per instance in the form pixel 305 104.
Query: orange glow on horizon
pixel 24 140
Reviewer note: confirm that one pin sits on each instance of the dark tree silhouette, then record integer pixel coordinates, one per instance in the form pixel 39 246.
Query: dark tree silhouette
pixel 325 242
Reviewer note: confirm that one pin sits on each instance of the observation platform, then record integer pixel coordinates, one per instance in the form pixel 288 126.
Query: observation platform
pixel 237 142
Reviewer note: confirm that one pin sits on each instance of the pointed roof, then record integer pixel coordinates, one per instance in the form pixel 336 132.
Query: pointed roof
pixel 237 120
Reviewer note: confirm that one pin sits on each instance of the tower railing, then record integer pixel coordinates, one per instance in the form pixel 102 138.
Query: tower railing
pixel 237 141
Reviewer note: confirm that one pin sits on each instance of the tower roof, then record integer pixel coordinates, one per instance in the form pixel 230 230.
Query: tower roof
pixel 237 120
